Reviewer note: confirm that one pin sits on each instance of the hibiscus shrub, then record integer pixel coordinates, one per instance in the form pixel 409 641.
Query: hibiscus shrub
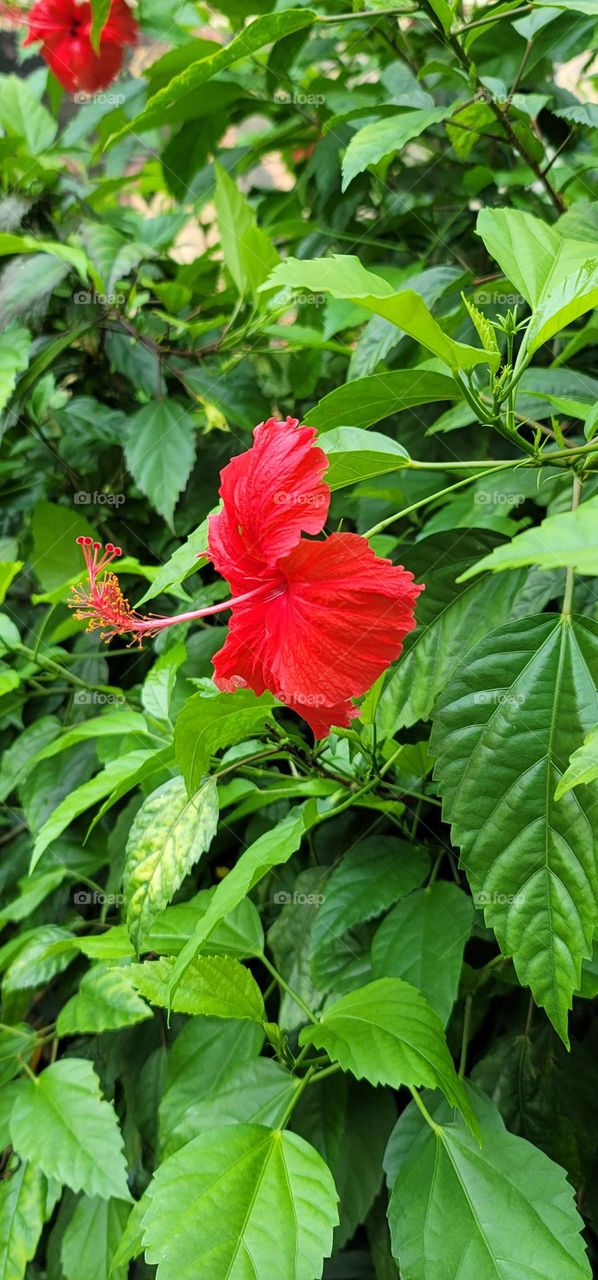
pixel 298 641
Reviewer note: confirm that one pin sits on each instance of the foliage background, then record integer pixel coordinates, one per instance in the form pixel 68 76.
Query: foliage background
pixel 143 336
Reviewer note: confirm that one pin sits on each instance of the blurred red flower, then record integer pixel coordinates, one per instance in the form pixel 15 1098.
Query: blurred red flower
pixel 64 28
pixel 313 622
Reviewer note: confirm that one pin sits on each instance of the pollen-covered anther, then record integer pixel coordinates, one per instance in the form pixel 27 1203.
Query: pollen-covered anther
pixel 100 602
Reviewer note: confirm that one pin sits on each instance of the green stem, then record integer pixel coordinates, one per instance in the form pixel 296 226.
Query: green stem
pixel 301 1086
pixel 493 17
pixel 465 1036
pixel 570 574
pixel 424 1110
pixel 294 995
pixel 399 515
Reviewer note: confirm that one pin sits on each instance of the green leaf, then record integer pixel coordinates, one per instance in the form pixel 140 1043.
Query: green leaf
pixel 450 619
pixel 270 1208
pixel 215 986
pixel 92 1238
pixel 16 1044
pixel 240 934
pixel 8 568
pixel 160 452
pixel 121 772
pixel 500 1210
pixel 205 1051
pixel 269 850
pixel 345 277
pixel 387 1033
pixel 169 834
pixel 368 880
pixel 583 765
pixel 22 115
pixel 206 724
pixel 567 540
pixel 367 400
pixel 254 1092
pixel 23 1197
pixel 532 255
pixel 263 31
pixel 104 1002
pixel 63 1124
pixel 112 724
pixel 75 258
pixel 358 455
pixel 57 558
pixel 248 253
pixel 158 686
pixel 385 137
pixel 15 345
pixel 422 941
pixel 100 10
pixel 530 860
pixel 570 298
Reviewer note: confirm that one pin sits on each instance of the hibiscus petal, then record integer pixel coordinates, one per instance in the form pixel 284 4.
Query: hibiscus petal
pixel 271 494
pixel 336 625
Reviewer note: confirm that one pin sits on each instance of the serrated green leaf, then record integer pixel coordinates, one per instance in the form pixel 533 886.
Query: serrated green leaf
pixel 272 1207
pixel 169 834
pixel 530 860
pixel 387 1033
pixel 483 328
pixel 500 1210
pixel 450 620
pixel 569 299
pixel 368 880
pixel 533 255
pixel 63 1124
pixel 385 137
pixel 206 724
pixel 422 941
pixel 248 253
pixel 213 986
pixel 104 1002
pixel 269 850
pixel 205 1051
pixel 160 452
pixel 122 772
pixel 253 1092
pixel 182 563
pixel 583 765
pixel 92 1238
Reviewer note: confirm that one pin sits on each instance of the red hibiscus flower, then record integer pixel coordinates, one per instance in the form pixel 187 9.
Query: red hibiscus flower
pixel 64 28
pixel 313 622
